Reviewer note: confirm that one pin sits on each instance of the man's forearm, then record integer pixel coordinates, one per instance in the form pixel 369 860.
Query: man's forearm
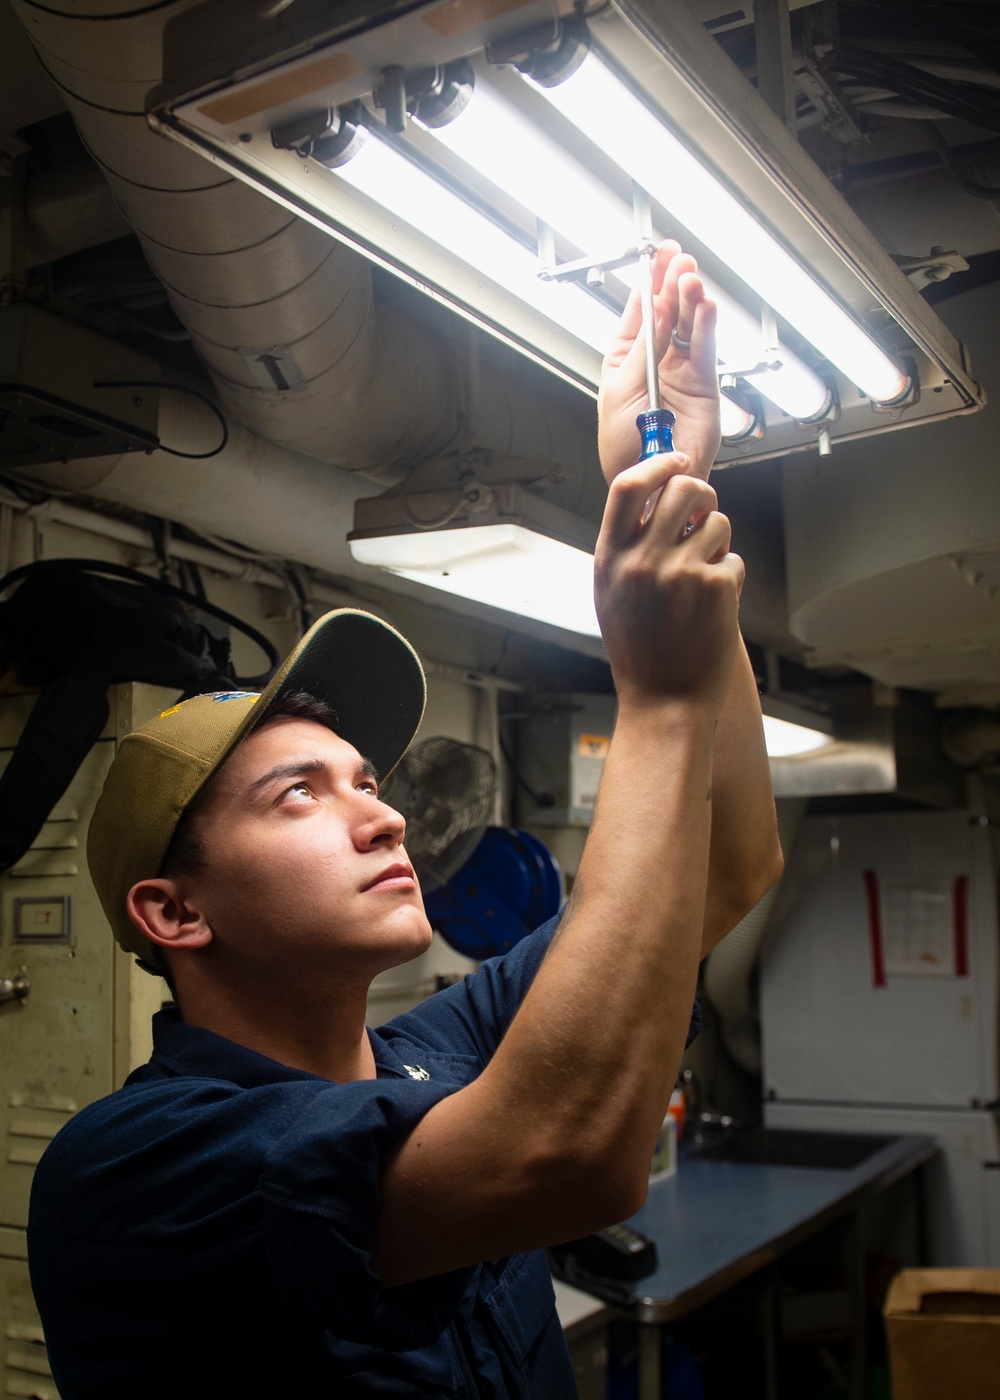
pixel 612 1001
pixel 745 856
pixel 555 1137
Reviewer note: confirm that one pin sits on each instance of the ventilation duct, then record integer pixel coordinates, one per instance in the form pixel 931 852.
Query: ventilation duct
pixel 283 316
pixel 896 572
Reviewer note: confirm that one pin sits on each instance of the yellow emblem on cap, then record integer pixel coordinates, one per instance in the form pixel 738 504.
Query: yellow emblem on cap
pixel 172 711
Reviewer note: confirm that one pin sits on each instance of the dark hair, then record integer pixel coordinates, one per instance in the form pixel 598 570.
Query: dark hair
pixel 185 855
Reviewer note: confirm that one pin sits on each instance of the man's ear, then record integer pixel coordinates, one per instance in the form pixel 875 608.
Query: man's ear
pixel 162 914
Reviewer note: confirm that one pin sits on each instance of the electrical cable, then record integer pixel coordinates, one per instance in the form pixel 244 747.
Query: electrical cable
pixel 298 590
pixel 158 534
pixel 31 496
pixel 917 86
pixel 540 799
pixel 100 566
pixel 184 389
pixel 190 569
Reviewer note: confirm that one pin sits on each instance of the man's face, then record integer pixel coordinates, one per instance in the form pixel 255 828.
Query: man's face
pixel 303 865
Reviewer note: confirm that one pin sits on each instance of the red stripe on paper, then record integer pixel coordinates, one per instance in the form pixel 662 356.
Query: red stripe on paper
pixel 874 928
pixel 960 908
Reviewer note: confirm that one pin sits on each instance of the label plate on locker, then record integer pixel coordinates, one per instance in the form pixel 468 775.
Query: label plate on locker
pixel 42 919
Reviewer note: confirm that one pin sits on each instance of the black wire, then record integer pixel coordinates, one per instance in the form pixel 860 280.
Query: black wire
pixel 194 578
pixel 29 494
pixel 158 534
pixel 98 19
pixel 99 566
pixel 189 577
pixel 917 86
pixel 295 584
pixel 540 799
pixel 184 389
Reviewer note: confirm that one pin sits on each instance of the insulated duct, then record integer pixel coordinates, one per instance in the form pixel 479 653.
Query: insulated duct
pixel 282 315
pixel 270 300
pixel 283 504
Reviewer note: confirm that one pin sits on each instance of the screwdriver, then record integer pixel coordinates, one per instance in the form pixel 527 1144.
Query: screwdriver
pixel 656 424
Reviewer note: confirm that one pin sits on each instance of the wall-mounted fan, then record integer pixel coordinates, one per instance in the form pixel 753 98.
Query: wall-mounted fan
pixel 484 886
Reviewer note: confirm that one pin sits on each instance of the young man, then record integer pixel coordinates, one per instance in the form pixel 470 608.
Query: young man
pixel 284 1203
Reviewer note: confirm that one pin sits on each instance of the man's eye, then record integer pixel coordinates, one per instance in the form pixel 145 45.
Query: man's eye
pixel 298 791
pixel 369 786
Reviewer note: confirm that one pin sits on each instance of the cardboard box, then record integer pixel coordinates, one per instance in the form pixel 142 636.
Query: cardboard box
pixel 943 1332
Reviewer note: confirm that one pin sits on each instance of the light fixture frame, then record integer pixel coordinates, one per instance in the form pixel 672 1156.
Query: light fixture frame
pixel 497 503
pixel 672 62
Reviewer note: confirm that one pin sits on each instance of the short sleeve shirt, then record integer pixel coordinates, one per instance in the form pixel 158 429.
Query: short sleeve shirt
pixel 205 1230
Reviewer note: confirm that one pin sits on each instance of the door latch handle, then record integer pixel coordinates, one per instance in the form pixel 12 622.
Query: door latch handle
pixel 14 988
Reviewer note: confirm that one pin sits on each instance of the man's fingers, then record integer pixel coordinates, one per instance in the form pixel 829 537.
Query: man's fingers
pixel 628 337
pixel 689 292
pixel 710 536
pixel 677 298
pixel 733 565
pixel 702 337
pixel 683 497
pixel 664 256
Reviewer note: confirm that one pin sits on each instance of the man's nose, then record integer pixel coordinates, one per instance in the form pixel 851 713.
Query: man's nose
pixel 381 824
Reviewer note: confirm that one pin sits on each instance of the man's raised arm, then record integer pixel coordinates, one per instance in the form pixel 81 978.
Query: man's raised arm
pixel 744 858
pixel 555 1137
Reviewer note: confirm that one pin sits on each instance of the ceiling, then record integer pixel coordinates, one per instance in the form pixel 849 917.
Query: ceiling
pixel 898 102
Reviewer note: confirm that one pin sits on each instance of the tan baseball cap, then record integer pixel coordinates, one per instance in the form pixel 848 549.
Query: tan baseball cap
pixel 357 664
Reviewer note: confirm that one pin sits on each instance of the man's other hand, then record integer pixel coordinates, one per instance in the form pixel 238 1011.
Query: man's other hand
pixel 667 588
pixel 689 383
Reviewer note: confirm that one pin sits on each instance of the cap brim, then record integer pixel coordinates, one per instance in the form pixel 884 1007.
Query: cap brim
pixel 367 673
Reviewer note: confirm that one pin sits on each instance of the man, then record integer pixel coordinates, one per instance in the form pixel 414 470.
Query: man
pixel 283 1203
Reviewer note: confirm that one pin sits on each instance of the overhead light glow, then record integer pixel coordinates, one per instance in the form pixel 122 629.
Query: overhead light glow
pixel 411 195
pixel 615 121
pixel 736 422
pixel 493 137
pixel 505 566
pixel 786 740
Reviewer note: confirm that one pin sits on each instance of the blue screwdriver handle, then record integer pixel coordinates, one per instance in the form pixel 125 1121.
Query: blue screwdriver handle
pixel 656 428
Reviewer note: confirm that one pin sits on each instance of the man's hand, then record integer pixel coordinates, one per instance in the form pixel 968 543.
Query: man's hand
pixel 667 588
pixel 689 383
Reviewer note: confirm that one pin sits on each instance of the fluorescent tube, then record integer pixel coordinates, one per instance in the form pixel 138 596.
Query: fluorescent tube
pixel 496 139
pixel 735 420
pixel 415 198
pixel 784 739
pixel 610 116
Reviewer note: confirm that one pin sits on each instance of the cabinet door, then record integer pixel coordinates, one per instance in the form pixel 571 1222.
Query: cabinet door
pixel 24 1362
pixel 56 1045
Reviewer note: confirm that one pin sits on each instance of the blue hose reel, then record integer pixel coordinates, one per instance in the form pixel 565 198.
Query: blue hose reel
pixel 508 886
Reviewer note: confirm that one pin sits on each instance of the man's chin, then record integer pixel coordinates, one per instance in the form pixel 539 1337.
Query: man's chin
pixel 421 941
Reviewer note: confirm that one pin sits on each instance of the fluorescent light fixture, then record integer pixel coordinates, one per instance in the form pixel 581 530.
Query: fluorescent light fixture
pixel 787 740
pixel 505 566
pixel 791 730
pixel 454 209
pixel 610 116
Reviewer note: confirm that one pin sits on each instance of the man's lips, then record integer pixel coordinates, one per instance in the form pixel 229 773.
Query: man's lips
pixel 394 877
